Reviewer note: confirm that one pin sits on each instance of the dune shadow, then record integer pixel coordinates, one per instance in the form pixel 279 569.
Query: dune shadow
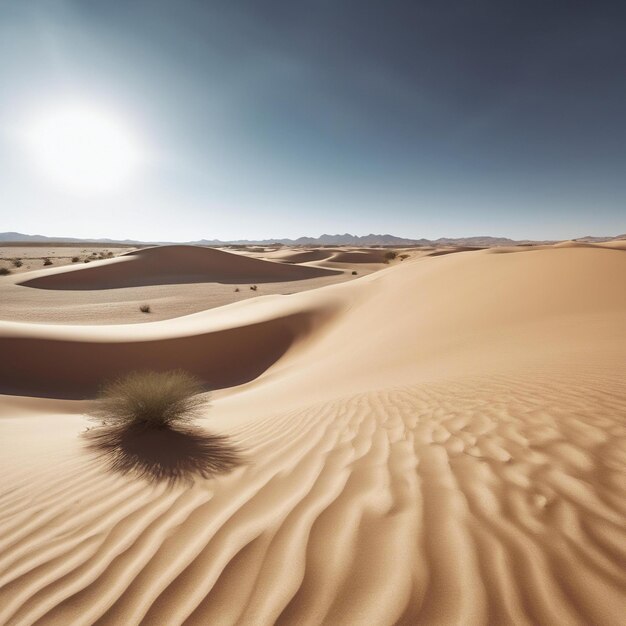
pixel 165 454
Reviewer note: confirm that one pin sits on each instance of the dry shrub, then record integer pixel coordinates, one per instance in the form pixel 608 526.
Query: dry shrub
pixel 150 400
pixel 145 429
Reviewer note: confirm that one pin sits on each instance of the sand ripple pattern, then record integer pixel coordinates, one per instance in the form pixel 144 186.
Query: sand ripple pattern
pixel 486 501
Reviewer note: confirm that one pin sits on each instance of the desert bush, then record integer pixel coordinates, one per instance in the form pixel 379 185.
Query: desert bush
pixel 4 271
pixel 253 287
pixel 354 273
pixel 17 263
pixel 145 308
pixel 150 400
pixel 75 259
pixel 236 289
pixel 47 262
pixel 390 255
pixel 86 261
pixel 404 256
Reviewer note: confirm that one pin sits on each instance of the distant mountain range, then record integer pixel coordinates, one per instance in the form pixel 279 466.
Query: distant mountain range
pixel 590 239
pixel 324 240
pixel 21 237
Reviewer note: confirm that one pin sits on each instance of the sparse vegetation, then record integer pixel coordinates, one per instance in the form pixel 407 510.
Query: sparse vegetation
pixel 404 256
pixel 4 271
pixel 86 261
pixel 145 308
pixel 47 261
pixel 75 259
pixel 253 287
pixel 236 289
pixel 390 255
pixel 150 400
pixel 17 263
pixel 354 273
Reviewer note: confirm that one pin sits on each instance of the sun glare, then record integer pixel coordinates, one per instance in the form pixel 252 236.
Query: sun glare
pixel 83 148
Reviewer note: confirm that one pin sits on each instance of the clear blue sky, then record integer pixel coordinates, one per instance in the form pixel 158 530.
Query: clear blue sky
pixel 282 119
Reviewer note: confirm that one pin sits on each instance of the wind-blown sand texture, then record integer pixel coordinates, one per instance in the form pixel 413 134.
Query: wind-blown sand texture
pixel 439 442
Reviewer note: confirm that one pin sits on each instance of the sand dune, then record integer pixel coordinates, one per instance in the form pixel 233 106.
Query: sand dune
pixel 164 265
pixel 359 256
pixel 300 256
pixel 441 442
pixel 344 256
pixel 453 250
pixel 223 349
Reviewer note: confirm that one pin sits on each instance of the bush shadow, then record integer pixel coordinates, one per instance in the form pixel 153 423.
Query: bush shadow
pixel 163 454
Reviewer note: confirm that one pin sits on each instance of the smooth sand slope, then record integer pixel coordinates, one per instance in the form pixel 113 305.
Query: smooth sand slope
pixel 441 442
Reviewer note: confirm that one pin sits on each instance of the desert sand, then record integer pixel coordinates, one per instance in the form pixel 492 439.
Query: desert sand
pixel 178 280
pixel 438 440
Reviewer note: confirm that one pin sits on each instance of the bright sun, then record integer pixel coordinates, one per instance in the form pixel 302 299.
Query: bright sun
pixel 83 148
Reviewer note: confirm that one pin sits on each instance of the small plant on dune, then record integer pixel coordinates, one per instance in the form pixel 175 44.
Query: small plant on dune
pixel 253 287
pixel 150 400
pixel 75 259
pixel 354 272
pixel 236 289
pixel 390 255
pixel 4 271
pixel 145 308
pixel 86 261
pixel 17 263
pixel 404 256
pixel 47 261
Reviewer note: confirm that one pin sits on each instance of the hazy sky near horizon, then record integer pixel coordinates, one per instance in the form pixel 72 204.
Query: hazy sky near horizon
pixel 281 119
